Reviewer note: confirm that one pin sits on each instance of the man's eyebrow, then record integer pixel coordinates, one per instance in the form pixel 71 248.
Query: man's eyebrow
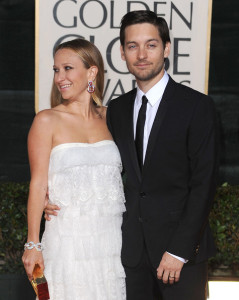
pixel 149 40
pixel 130 42
pixel 152 40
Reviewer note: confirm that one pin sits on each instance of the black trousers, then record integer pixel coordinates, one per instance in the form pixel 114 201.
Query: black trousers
pixel 142 282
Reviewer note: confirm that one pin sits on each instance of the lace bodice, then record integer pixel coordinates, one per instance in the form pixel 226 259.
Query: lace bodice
pixel 79 174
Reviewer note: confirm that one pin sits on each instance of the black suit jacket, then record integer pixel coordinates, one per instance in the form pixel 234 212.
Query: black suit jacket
pixel 169 203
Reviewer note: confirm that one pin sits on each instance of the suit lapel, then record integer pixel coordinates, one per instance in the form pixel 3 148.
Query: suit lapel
pixel 162 109
pixel 129 134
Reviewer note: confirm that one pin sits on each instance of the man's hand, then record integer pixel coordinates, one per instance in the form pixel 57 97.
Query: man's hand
pixel 50 209
pixel 169 269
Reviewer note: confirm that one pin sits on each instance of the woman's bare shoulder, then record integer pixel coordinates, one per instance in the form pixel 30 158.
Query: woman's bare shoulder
pixel 45 120
pixel 47 115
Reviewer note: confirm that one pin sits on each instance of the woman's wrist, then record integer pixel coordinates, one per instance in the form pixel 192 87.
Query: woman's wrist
pixel 31 245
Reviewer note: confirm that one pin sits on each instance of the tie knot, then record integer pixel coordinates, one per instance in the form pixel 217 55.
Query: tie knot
pixel 144 100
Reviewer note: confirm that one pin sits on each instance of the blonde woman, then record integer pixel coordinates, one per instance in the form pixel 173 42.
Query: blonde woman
pixel 73 157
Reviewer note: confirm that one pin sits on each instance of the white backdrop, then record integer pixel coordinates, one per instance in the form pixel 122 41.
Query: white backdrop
pixel 99 21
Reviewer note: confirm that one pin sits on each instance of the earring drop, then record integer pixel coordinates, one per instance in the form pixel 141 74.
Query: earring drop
pixel 91 87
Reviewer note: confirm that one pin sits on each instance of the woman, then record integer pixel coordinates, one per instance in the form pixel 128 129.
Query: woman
pixel 73 157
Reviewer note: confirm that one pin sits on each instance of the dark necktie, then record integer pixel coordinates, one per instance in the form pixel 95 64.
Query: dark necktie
pixel 139 138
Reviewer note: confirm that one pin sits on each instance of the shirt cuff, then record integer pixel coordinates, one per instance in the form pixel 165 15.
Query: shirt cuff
pixel 179 258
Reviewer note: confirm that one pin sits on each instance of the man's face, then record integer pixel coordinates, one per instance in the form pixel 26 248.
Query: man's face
pixel 144 53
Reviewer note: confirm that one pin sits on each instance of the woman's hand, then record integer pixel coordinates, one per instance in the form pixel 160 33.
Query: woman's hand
pixel 29 259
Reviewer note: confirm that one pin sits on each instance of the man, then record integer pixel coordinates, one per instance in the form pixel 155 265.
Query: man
pixel 166 135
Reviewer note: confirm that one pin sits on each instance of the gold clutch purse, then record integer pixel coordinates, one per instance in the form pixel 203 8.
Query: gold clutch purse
pixel 39 283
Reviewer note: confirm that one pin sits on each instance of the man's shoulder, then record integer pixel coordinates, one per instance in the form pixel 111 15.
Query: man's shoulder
pixel 123 99
pixel 189 96
pixel 181 88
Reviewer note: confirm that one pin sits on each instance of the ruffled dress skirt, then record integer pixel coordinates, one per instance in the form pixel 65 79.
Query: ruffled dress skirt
pixel 82 245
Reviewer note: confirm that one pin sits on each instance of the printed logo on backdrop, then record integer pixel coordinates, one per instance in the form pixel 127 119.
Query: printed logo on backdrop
pixel 99 22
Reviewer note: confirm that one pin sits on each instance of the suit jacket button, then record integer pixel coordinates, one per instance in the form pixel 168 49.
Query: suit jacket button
pixel 142 195
pixel 140 220
pixel 197 249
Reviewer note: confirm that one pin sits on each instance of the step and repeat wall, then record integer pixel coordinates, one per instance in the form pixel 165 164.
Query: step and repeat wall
pixel 57 21
pixel 99 21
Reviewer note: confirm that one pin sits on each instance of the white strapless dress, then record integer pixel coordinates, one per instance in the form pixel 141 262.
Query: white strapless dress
pixel 82 245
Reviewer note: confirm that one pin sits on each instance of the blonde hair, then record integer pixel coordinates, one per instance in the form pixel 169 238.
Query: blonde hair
pixel 90 56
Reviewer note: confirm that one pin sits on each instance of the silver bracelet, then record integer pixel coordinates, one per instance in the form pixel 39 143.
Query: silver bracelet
pixel 31 245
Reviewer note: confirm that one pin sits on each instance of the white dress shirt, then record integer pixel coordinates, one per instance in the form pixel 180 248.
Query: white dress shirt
pixel 154 96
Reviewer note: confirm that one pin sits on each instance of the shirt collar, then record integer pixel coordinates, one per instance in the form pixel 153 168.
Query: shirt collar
pixel 155 93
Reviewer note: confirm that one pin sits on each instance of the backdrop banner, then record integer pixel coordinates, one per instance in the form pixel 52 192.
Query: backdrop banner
pixel 99 22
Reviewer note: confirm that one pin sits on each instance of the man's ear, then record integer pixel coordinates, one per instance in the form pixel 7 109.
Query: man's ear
pixel 167 49
pixel 122 52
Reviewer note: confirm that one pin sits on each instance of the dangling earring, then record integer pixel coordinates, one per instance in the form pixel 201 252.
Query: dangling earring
pixel 91 87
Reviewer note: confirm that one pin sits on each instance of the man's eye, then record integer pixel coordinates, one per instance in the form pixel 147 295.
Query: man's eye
pixel 151 45
pixel 132 46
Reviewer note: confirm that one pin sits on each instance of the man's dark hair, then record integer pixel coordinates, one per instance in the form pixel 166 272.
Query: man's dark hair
pixel 144 16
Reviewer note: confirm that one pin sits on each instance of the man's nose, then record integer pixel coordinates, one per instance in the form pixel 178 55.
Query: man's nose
pixel 142 53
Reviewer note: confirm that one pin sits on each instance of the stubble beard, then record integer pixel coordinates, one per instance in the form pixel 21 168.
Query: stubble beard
pixel 148 75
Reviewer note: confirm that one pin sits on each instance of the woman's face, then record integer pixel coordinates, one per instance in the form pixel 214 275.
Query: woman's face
pixel 70 75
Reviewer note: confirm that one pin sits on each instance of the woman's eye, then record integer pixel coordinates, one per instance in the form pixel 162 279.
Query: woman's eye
pixel 55 70
pixel 68 68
